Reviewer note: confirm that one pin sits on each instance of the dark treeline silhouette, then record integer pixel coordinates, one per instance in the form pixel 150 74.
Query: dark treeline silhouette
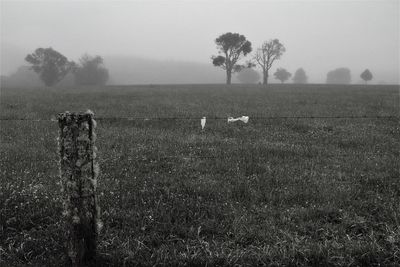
pixel 339 76
pixel 49 67
pixel 52 67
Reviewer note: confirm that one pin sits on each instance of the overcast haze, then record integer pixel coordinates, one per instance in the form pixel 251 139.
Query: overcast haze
pixel 318 35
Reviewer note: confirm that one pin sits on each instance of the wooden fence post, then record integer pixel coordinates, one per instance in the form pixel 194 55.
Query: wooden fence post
pixel 79 171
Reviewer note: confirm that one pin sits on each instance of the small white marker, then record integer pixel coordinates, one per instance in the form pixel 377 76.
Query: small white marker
pixel 203 123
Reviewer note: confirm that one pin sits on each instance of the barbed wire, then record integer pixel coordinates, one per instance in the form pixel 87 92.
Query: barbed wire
pixel 213 118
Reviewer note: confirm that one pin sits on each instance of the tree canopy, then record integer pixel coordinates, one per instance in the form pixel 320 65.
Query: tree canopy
pixel 51 65
pixel 366 75
pixel 91 71
pixel 231 47
pixel 300 76
pixel 282 74
pixel 339 76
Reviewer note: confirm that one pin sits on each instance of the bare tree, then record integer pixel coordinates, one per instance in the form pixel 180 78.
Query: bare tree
pixel 233 46
pixel 266 55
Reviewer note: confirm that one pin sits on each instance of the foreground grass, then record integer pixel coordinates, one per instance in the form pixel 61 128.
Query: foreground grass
pixel 272 192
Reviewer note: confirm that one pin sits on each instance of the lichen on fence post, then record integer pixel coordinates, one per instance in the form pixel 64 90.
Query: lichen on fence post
pixel 79 171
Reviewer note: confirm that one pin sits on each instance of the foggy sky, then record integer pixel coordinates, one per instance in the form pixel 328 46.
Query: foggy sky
pixel 319 35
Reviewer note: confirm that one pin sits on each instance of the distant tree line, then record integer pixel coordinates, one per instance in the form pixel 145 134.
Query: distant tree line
pixel 343 76
pixel 232 47
pixel 52 67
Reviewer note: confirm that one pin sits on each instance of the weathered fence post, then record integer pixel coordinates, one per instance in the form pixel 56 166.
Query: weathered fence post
pixel 79 171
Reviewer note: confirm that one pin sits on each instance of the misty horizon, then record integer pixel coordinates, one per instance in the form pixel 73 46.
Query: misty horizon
pixel 179 35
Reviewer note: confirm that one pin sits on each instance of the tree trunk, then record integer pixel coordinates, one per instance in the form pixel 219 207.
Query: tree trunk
pixel 265 77
pixel 228 76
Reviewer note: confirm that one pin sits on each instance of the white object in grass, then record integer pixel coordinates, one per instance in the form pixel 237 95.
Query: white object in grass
pixel 244 119
pixel 203 123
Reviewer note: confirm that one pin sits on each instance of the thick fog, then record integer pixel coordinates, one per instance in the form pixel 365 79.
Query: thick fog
pixel 172 41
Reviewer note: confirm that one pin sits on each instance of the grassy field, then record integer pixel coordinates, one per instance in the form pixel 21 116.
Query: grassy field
pixel 275 191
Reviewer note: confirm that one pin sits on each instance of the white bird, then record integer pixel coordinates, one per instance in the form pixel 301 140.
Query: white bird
pixel 244 119
pixel 203 122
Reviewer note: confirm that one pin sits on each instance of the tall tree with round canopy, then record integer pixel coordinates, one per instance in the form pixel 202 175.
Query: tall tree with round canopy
pixel 232 47
pixel 51 65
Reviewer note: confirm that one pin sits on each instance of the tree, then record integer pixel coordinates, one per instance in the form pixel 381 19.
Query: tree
pixel 248 75
pixel 233 46
pixel 300 76
pixel 50 65
pixel 91 71
pixel 366 76
pixel 339 76
pixel 266 55
pixel 282 75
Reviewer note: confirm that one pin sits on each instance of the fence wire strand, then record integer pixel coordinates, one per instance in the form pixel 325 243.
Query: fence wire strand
pixel 213 118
